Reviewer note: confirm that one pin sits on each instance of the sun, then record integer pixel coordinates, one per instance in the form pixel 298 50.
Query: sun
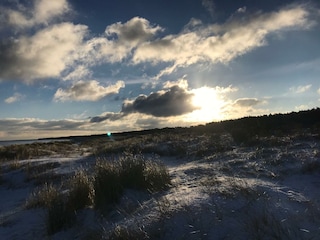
pixel 209 105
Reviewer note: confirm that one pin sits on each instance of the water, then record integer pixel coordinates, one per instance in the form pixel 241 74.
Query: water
pixel 19 142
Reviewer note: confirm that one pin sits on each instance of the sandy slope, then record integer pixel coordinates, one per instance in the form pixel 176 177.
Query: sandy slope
pixel 261 192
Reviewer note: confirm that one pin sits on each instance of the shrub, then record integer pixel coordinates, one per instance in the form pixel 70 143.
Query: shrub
pixel 81 191
pixel 244 136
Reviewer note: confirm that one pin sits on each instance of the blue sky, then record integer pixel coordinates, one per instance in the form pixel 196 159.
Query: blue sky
pixel 89 67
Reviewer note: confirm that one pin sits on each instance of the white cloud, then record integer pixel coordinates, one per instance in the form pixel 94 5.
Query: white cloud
pixel 300 89
pixel 43 12
pixel 120 39
pixel 80 72
pixel 318 91
pixel 87 91
pixel 301 107
pixel 182 83
pixel 243 107
pixel 43 55
pixel 133 32
pixel 15 98
pixel 242 9
pixel 65 50
pixel 219 43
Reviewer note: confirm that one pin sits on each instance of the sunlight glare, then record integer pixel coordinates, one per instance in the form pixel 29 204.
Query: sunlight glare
pixel 209 103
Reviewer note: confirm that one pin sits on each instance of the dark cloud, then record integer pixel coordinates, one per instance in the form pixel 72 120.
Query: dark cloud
pixel 9 64
pixel 107 116
pixel 246 102
pixel 26 124
pixel 173 102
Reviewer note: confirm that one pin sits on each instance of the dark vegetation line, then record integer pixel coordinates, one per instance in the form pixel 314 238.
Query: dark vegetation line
pixel 265 125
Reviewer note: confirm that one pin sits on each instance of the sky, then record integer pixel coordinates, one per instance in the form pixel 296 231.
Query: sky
pixel 76 67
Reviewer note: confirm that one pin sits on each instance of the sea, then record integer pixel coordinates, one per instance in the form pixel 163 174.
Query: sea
pixel 19 142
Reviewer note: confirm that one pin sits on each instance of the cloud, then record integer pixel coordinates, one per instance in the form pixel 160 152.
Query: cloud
pixel 80 72
pixel 301 107
pixel 175 105
pixel 43 12
pixel 44 55
pixel 119 40
pixel 246 102
pixel 220 43
pixel 111 116
pixel 133 32
pixel 173 102
pixel 242 9
pixel 300 89
pixel 242 107
pixel 15 98
pixel 182 83
pixel 318 91
pixel 67 51
pixel 209 6
pixel 87 91
pixel 22 128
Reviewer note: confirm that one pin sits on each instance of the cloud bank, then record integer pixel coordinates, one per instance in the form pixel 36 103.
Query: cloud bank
pixel 65 50
pixel 87 91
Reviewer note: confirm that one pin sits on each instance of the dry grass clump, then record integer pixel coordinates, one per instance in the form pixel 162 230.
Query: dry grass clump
pixel 34 150
pixel 81 191
pixel 61 207
pixel 123 233
pixel 59 215
pixel 43 197
pixel 107 186
pixel 130 171
pixel 102 190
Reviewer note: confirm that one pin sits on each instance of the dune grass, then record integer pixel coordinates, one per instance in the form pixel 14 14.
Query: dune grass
pixel 101 189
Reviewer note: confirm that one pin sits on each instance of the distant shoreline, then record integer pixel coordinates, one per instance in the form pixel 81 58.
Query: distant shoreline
pixel 29 141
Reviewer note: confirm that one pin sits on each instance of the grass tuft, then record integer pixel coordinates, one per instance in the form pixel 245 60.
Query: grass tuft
pixel 107 185
pixel 124 233
pixel 43 197
pixel 59 215
pixel 132 171
pixel 81 191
